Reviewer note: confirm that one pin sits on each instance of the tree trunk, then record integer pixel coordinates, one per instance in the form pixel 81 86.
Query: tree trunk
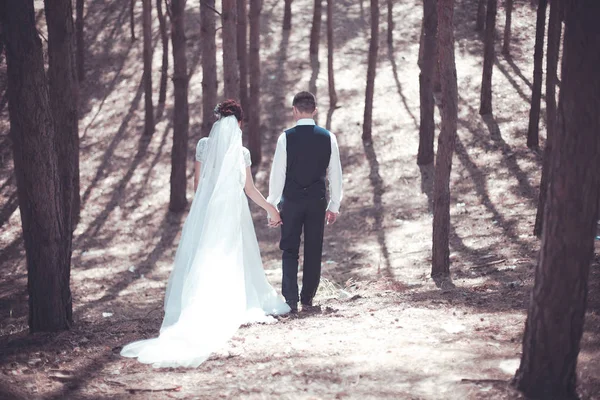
pixel 480 23
pixel 440 266
pixel 64 93
pixel 390 22
pixel 164 36
pixel 507 28
pixel 132 18
pixel 209 64
pixel 315 36
pixel 488 58
pixel 46 228
pixel 79 24
pixel 330 72
pixel 371 71
pixel 242 51
pixel 427 69
pixel 147 26
pixel 556 313
pixel 231 69
pixel 178 199
pixel 533 132
pixel 554 33
pixel 254 132
pixel 287 15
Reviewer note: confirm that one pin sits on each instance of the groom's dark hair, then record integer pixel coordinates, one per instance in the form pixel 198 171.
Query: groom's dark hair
pixel 305 102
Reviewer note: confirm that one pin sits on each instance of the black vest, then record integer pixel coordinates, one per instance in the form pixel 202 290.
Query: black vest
pixel 308 154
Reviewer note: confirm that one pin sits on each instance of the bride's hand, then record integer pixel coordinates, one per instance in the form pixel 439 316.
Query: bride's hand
pixel 274 218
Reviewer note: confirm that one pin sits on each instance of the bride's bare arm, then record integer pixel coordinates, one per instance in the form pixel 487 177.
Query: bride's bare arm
pixel 196 175
pixel 259 199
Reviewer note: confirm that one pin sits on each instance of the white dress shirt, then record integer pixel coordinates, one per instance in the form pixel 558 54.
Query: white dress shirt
pixel 279 167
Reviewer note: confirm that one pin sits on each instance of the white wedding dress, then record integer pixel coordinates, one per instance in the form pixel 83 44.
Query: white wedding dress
pixel 218 282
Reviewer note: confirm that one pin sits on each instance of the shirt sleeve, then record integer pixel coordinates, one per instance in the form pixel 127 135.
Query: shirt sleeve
pixel 278 171
pixel 334 175
pixel 247 157
pixel 201 149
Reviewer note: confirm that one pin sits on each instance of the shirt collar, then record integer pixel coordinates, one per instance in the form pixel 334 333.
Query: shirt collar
pixel 305 121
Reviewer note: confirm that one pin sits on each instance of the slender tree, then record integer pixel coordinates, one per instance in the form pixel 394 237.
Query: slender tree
pixel 533 132
pixel 178 199
pixel 287 15
pixel 555 319
pixel 440 267
pixel 164 36
pixel 231 69
pixel 507 27
pixel 254 132
pixel 315 39
pixel 46 227
pixel 554 33
pixel 480 22
pixel 209 64
pixel 390 22
pixel 149 108
pixel 79 25
pixel 488 58
pixel 330 72
pixel 132 18
pixel 242 50
pixel 427 64
pixel 64 93
pixel 371 71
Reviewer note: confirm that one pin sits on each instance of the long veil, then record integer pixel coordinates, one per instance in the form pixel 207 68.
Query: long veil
pixel 205 299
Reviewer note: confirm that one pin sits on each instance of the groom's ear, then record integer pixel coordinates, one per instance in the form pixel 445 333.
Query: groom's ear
pixel 315 112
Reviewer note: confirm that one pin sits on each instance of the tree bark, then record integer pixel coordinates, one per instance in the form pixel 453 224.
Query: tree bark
pixel 480 22
pixel 315 38
pixel 231 69
pixel 488 58
pixel 46 228
pixel 178 199
pixel 533 132
pixel 209 64
pixel 254 132
pixel 242 51
pixel 556 313
pixel 132 18
pixel 426 77
pixel 440 266
pixel 507 28
pixel 390 22
pixel 330 72
pixel 554 33
pixel 79 25
pixel 287 15
pixel 371 71
pixel 147 77
pixel 64 94
pixel 164 36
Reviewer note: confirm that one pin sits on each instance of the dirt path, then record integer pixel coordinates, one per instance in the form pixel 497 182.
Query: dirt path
pixel 384 330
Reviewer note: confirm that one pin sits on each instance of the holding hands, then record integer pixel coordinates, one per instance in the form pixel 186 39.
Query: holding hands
pixel 274 217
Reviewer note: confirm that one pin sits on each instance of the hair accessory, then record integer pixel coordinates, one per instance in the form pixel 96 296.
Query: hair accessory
pixel 216 111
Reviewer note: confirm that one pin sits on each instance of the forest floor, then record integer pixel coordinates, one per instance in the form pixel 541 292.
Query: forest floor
pixel 384 330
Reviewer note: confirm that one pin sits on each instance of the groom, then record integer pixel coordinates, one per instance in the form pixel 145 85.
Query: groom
pixel 306 156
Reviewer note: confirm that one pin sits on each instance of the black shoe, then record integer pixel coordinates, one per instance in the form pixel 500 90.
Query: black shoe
pixel 310 309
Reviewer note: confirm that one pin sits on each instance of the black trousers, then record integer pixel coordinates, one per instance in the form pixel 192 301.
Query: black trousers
pixel 307 214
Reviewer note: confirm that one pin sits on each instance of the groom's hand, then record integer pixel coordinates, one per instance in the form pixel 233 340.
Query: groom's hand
pixel 330 217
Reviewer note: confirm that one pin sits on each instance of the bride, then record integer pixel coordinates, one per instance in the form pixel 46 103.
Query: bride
pixel 217 282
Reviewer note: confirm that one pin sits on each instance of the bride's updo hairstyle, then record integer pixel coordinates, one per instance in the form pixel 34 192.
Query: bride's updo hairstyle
pixel 229 107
